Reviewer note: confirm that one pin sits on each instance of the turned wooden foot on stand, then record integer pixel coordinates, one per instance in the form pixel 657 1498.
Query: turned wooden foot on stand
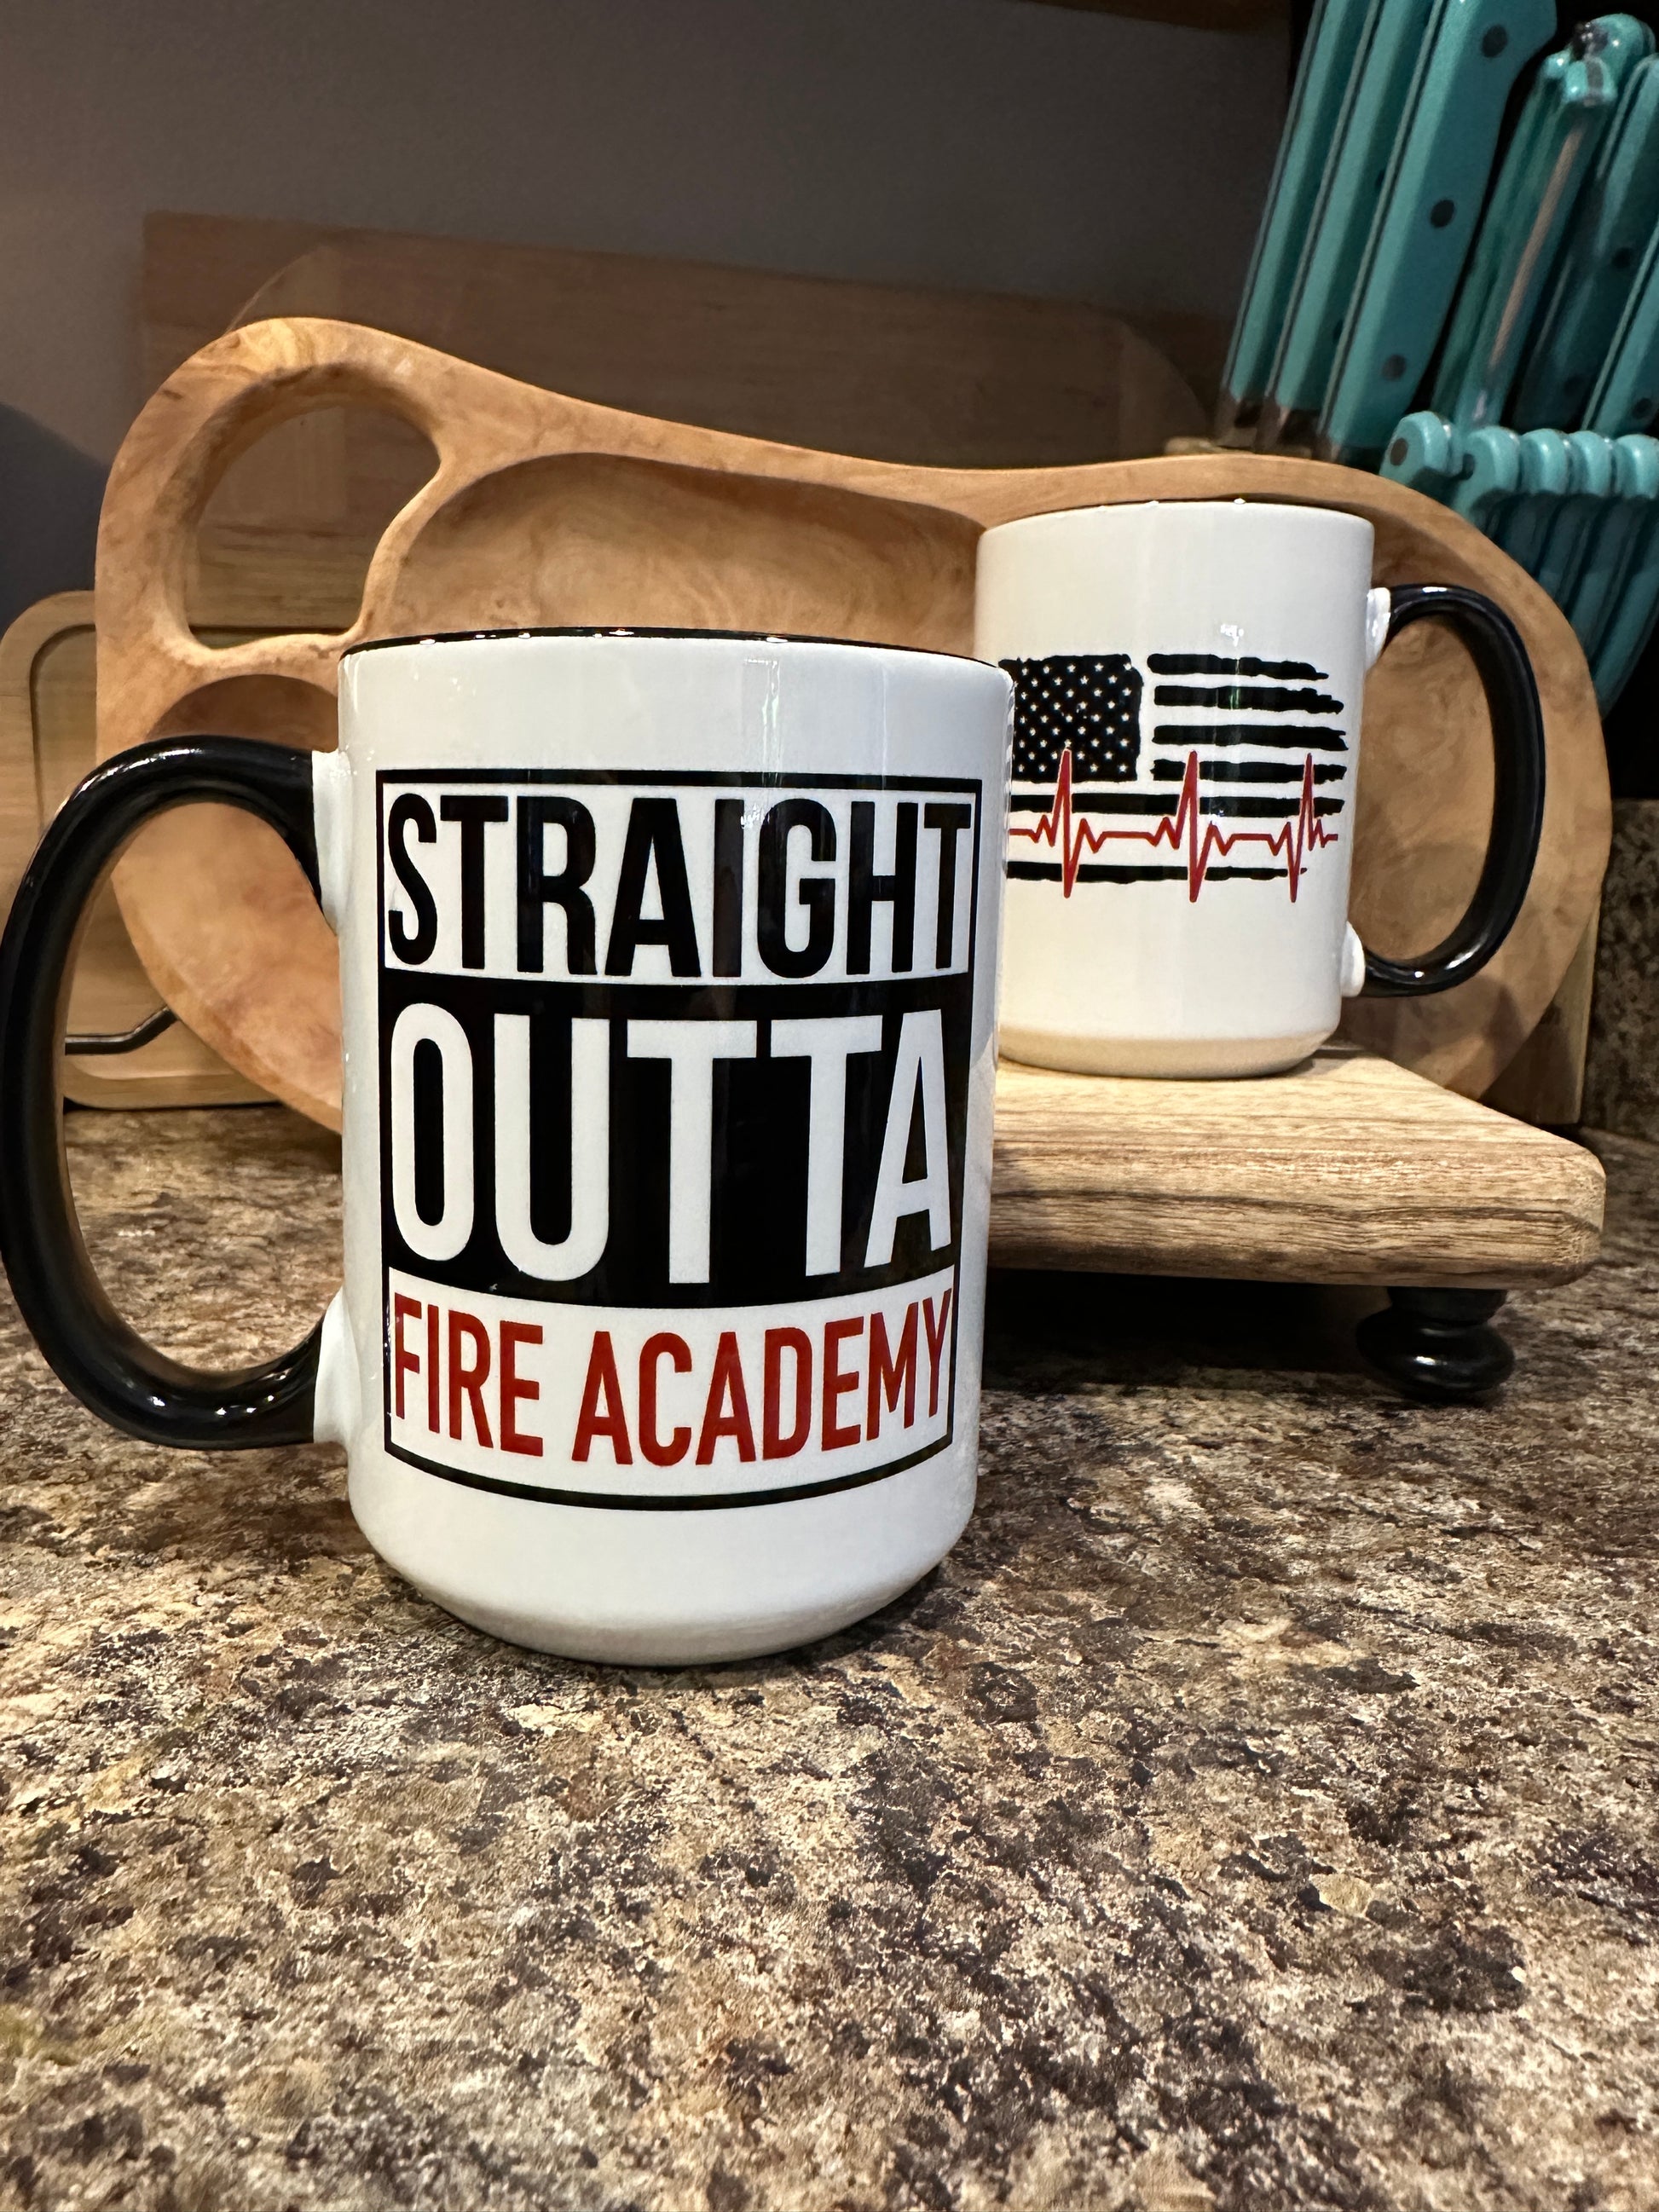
pixel 1438 1345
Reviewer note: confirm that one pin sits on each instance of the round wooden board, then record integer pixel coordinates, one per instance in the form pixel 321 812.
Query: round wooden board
pixel 543 509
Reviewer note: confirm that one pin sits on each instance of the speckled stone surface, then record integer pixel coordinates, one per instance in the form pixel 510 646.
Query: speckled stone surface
pixel 1257 1809
pixel 1621 1072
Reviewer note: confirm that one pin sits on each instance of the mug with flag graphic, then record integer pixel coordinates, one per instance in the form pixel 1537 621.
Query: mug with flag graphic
pixel 1188 682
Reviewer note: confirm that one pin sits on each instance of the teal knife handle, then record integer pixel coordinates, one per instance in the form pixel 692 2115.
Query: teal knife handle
pixel 1578 516
pixel 1632 621
pixel 1558 87
pixel 1322 298
pixel 1602 578
pixel 1545 476
pixel 1457 346
pixel 1430 206
pixel 1617 213
pixel 1570 109
pixel 1322 86
pixel 1627 396
pixel 1490 478
pixel 1424 454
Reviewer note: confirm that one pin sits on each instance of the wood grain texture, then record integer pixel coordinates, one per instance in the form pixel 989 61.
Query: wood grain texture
pixel 547 509
pixel 196 272
pixel 902 373
pixel 1545 1081
pixel 19 790
pixel 1347 1170
pixel 821 361
pixel 916 372
pixel 48 742
pixel 905 372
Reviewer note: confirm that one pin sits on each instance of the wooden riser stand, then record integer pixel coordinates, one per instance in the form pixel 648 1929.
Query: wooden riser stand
pixel 1347 1170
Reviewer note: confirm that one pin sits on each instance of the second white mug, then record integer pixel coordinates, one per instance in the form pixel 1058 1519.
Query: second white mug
pixel 1189 677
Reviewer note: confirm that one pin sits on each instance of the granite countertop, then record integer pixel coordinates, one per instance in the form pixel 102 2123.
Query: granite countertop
pixel 1257 1809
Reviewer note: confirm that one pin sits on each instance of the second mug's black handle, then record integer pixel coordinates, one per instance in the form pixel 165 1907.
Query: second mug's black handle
pixel 103 1362
pixel 1517 798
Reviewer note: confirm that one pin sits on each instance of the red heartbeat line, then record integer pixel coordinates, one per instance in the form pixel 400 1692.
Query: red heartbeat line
pixel 1291 842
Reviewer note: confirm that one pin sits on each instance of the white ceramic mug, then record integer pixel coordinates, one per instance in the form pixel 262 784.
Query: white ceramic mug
pixel 1188 679
pixel 668 966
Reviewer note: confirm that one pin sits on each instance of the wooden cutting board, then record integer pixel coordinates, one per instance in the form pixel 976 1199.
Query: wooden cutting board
pixel 48 742
pixel 906 373
pixel 543 509
pixel 903 371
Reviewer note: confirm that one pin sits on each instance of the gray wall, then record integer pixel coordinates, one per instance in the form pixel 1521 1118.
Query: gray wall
pixel 979 143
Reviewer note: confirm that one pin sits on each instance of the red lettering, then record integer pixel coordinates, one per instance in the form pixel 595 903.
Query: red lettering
pixel 888 1372
pixel 404 1362
pixel 514 1387
pixel 677 1353
pixel 602 1386
pixel 464 1380
pixel 776 1445
pixel 727 1413
pixel 935 1346
pixel 834 1432
pixel 432 1318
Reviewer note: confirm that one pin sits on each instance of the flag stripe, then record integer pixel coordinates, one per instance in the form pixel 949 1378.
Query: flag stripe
pixel 1231 771
pixel 1050 871
pixel 1242 699
pixel 1097 802
pixel 1280 735
pixel 1264 810
pixel 1213 664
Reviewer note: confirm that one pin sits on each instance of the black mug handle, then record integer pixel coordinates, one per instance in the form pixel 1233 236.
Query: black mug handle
pixel 106 1364
pixel 1518 800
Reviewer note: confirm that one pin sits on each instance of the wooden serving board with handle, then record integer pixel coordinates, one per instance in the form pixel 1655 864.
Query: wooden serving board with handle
pixel 546 510
pixel 970 379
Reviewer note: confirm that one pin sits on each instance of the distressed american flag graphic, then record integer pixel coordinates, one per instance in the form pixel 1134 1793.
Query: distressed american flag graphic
pixel 1244 770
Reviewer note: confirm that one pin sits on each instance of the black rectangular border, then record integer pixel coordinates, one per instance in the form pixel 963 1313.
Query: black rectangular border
pixel 758 779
